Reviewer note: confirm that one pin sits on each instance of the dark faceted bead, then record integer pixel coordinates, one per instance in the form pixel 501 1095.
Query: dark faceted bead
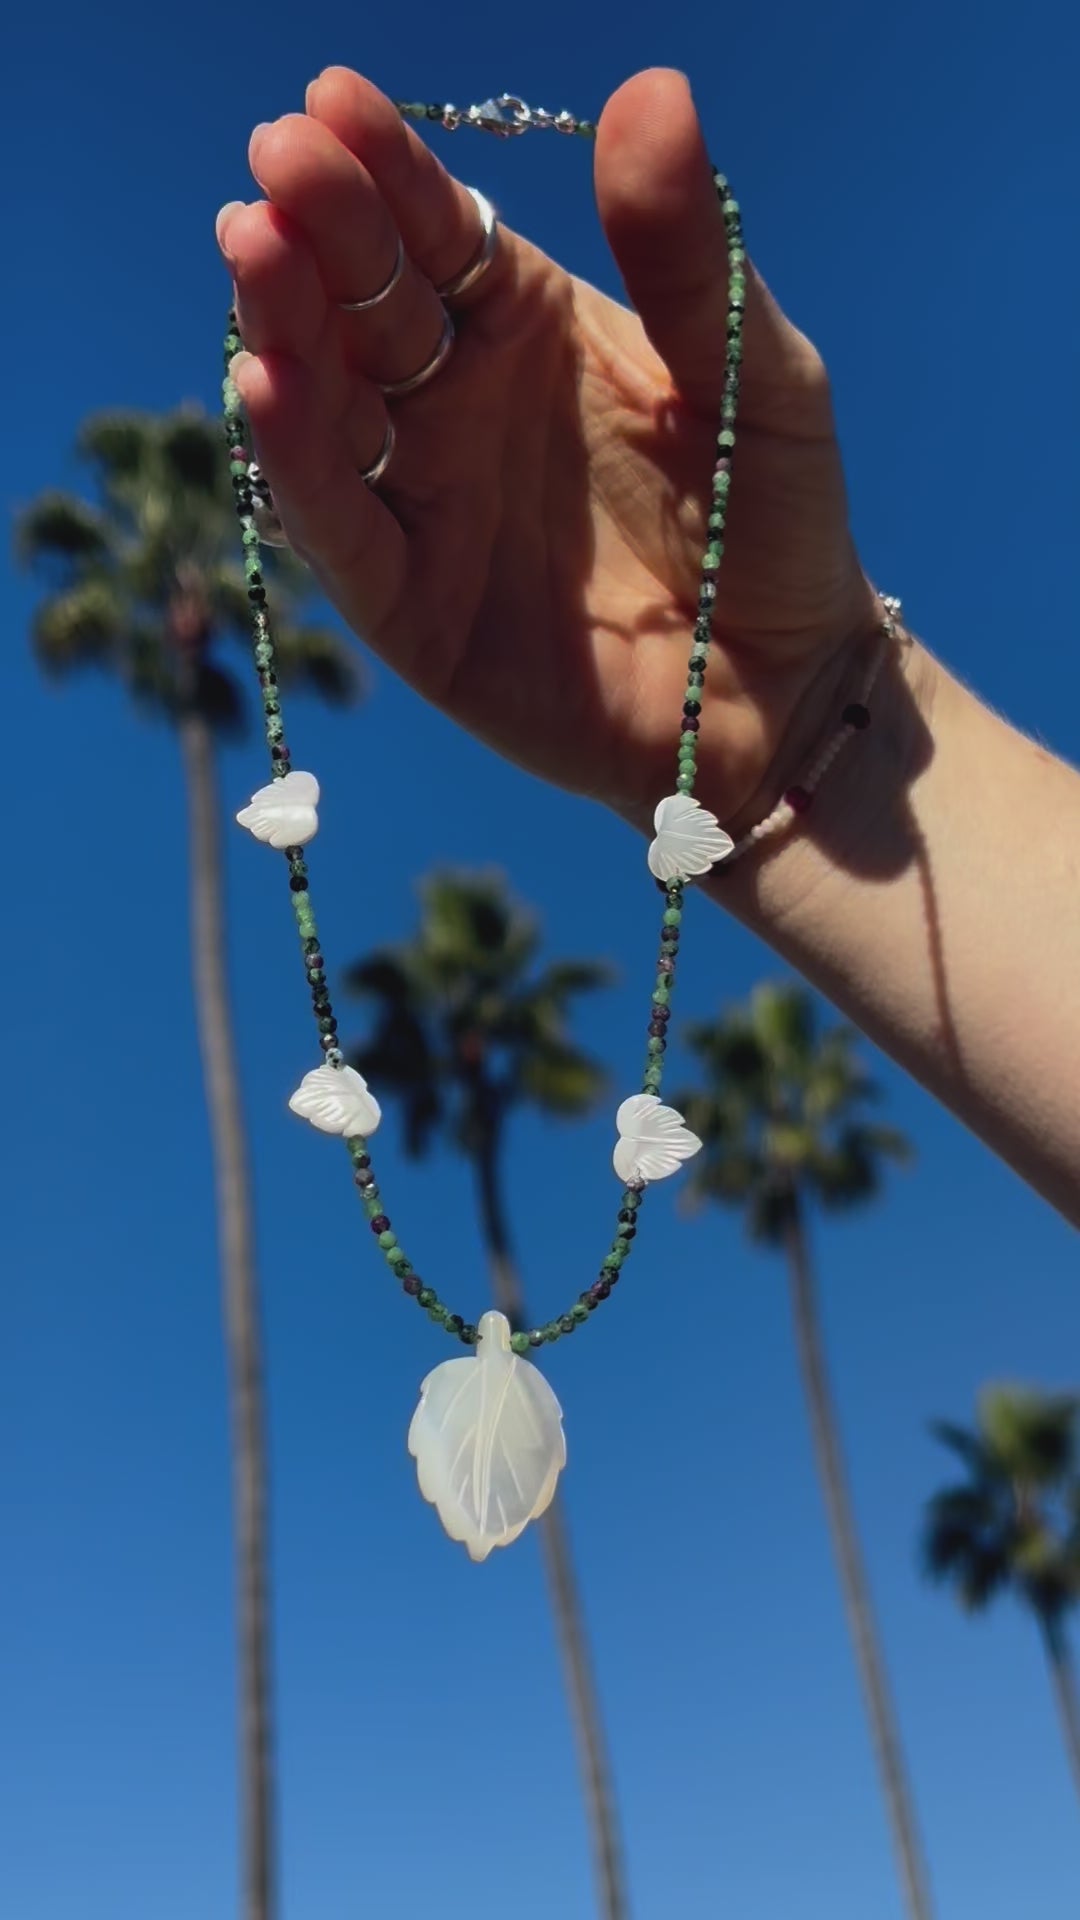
pixel 365 1178
pixel 380 1224
pixel 311 946
pixel 856 715
pixel 602 1289
pixel 627 1214
pixel 316 963
pixel 426 1297
pixel 690 711
pixel 664 965
pixel 327 1023
pixel 257 596
pixel 536 1337
pixel 798 799
pixel 362 1160
pixel 695 677
pixel 626 1233
pixel 468 1335
pixel 567 1323
pixel 328 1042
pixel 691 723
pixel 412 1283
pixel 454 1323
pixel 298 882
pixel 280 754
pixel 663 1014
pixel 655 1032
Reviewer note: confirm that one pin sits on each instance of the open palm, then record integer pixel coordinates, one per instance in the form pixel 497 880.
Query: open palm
pixel 530 559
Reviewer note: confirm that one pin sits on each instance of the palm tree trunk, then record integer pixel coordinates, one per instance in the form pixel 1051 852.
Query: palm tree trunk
pixel 853 1581
pixel 1063 1676
pixel 240 1314
pixel 566 1607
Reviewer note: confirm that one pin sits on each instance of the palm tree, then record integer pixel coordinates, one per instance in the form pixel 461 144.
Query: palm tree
pixel 1014 1523
pixel 143 580
pixel 782 1119
pixel 467 1032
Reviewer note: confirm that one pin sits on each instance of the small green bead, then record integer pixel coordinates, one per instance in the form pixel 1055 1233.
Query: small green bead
pixel 372 1201
pixel 399 1260
pixel 250 537
pixel 519 1342
pixel 427 1297
pixel 710 562
pixel 725 439
pixel 387 1240
pixel 716 522
pixel 438 1313
pixel 688 740
pixel 661 994
pixel 579 1313
pixel 672 916
pixel 655 1044
pixel 567 1323
pixel 630 1200
pixel 721 483
pixel 736 255
pixel 613 1260
pixel 552 1331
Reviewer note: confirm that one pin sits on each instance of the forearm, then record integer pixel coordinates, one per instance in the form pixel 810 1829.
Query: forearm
pixel 933 894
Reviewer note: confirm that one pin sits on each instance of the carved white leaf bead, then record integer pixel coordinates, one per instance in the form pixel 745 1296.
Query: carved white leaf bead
pixel 336 1100
pixel 689 840
pixel 283 814
pixel 653 1141
pixel 488 1442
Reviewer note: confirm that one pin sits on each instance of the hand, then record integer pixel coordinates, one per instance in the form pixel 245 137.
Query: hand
pixel 530 560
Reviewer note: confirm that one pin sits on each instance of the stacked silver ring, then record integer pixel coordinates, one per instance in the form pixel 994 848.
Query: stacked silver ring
pixel 452 289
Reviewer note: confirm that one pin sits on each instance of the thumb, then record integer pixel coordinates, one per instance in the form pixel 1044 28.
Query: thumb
pixel 662 216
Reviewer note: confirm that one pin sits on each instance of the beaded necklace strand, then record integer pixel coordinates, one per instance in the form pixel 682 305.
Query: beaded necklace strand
pixel 490 1471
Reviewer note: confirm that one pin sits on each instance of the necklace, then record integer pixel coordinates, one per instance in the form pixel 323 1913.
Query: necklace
pixel 487 1434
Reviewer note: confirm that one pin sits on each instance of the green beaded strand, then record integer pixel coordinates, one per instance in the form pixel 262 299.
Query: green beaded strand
pixel 493 118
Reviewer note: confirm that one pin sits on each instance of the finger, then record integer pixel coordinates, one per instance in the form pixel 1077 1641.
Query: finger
pixel 435 215
pixel 281 302
pixel 323 188
pixel 351 540
pixel 662 217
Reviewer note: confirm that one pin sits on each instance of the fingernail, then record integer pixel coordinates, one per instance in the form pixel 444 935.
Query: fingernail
pixel 222 220
pixel 237 364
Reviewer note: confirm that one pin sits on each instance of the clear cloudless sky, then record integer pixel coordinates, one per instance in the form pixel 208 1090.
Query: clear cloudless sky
pixel 909 180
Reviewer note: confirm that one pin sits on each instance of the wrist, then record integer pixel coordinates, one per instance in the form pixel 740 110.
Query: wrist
pixel 860 824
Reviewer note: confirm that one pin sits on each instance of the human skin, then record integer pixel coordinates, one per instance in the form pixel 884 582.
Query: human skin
pixel 530 563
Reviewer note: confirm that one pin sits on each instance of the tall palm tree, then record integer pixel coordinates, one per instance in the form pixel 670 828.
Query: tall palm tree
pixel 467 1032
pixel 142 581
pixel 1013 1523
pixel 782 1118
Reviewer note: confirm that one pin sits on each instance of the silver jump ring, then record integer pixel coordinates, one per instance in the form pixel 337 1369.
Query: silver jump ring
pixel 483 257
pixel 370 475
pixel 384 292
pixel 395 389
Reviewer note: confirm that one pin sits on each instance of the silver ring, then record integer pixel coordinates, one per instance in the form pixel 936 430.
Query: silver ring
pixel 369 475
pixel 485 254
pixel 387 288
pixel 394 389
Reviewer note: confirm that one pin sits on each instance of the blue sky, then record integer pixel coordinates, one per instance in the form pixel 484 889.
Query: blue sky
pixel 908 183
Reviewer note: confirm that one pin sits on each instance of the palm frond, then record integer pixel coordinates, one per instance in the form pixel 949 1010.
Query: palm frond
pixel 62 532
pixel 80 626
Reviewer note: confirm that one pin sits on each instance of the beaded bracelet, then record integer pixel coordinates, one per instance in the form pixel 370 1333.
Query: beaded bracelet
pixel 487 1433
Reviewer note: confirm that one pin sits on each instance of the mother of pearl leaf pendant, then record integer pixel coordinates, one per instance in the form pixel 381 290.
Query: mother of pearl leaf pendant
pixel 689 840
pixel 488 1442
